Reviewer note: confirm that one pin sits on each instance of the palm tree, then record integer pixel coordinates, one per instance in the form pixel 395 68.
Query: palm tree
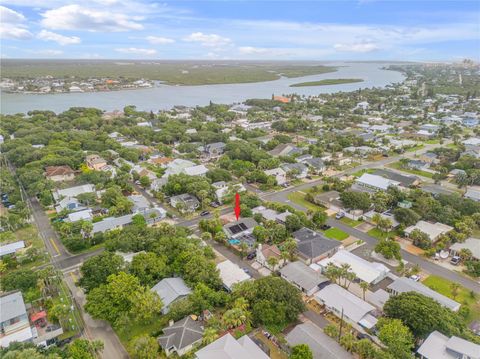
pixel 455 287
pixel 243 249
pixel 235 317
pixel 272 262
pixel 209 336
pixel 364 286
pixel 348 341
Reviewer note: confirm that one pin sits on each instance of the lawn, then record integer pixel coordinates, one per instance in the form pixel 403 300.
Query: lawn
pixel 415 148
pixel 432 142
pixel 299 198
pixel 361 172
pixel 443 286
pixel 335 233
pixel 350 222
pixel 398 166
pixel 378 234
pixel 135 329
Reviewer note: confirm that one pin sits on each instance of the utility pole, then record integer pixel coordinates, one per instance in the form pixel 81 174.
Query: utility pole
pixel 341 325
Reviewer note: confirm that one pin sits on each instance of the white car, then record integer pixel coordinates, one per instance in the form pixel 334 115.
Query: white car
pixel 415 278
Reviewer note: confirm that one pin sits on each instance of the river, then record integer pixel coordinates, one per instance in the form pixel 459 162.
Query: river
pixel 167 96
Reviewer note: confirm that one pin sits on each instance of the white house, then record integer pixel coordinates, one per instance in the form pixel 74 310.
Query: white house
pixel 432 230
pixel 279 174
pixel 231 274
pixel 374 182
pixel 439 346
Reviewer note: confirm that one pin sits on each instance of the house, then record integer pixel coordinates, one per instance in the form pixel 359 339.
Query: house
pixel 231 274
pixel 177 166
pixel 279 174
pixel 171 290
pixel 418 165
pixel 315 164
pixel 473 193
pixel 199 170
pixel 429 157
pixel 69 204
pixel 343 303
pixel 313 246
pixel 83 215
pixel 95 162
pixel 214 150
pixel 330 200
pixel 472 244
pixel 73 192
pixel 403 180
pixel 264 252
pixel 222 191
pixel 14 323
pixel 370 272
pixel 433 230
pixel 110 223
pixel 227 347
pixel 285 149
pixel 404 285
pixel 321 345
pixel 180 337
pixel 303 277
pixel 369 216
pixel 271 215
pixel 297 170
pixel 439 346
pixel 185 202
pixel 374 182
pixel 59 173
pixel 241 228
pixel 11 248
pixel 140 203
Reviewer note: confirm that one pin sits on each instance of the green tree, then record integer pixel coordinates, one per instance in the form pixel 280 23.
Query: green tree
pixel 319 218
pixel 396 336
pixel 145 182
pixel 97 269
pixel 84 349
pixel 356 200
pixel 301 351
pixel 144 347
pixel 389 249
pixel 148 268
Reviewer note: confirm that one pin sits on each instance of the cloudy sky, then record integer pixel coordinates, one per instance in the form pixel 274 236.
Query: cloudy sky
pixel 282 30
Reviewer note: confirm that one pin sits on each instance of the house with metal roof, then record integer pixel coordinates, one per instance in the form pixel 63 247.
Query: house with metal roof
pixel 14 323
pixel 473 193
pixel 171 290
pixel 355 310
pixel 303 277
pixel 432 230
pixel 403 180
pixel 11 248
pixel 313 246
pixel 227 347
pixel 371 182
pixel 370 272
pixel 231 274
pixel 110 223
pixel 180 337
pixel 472 244
pixel 405 285
pixel 321 345
pixel 439 346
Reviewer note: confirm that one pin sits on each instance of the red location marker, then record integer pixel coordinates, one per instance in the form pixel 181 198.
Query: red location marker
pixel 237 205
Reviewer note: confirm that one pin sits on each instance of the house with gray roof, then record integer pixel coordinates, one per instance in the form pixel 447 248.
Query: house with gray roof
pixel 303 277
pixel 472 244
pixel 14 323
pixel 11 248
pixel 473 193
pixel 285 149
pixel 315 164
pixel 73 191
pixel 321 345
pixel 171 290
pixel 107 224
pixel 404 285
pixel 439 346
pixel 180 337
pixel 404 180
pixel 227 347
pixel 299 170
pixel 313 246
pixel 185 202
pixel 355 310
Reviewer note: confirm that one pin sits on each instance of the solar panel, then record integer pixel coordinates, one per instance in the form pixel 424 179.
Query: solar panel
pixel 235 229
pixel 242 226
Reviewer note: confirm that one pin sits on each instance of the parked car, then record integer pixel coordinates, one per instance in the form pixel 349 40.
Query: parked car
pixel 205 213
pixel 455 260
pixel 324 227
pixel 415 277
pixel 246 270
pixel 339 215
pixel 252 255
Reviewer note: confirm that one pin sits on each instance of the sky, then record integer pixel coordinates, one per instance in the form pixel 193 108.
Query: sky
pixel 414 30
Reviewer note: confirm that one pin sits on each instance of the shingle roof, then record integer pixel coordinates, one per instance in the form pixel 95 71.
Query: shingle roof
pixel 181 334
pixel 302 275
pixel 227 347
pixel 405 180
pixel 312 244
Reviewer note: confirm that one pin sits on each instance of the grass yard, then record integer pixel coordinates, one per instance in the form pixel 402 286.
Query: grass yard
pixel 135 329
pixel 443 286
pixel 361 172
pixel 378 234
pixel 432 142
pixel 415 148
pixel 398 166
pixel 299 198
pixel 335 233
pixel 350 222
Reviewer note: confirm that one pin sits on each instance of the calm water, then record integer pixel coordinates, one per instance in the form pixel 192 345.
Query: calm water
pixel 165 96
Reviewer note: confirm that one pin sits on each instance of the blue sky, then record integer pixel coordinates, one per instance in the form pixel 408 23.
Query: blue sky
pixel 250 30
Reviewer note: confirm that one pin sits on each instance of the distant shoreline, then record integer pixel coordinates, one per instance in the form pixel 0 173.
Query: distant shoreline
pixel 327 82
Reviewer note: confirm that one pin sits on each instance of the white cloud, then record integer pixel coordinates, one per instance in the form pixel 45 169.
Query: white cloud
pixel 250 50
pixel 157 40
pixel 211 40
pixel 136 51
pixel 60 39
pixel 12 25
pixel 360 47
pixel 76 17
pixel 47 53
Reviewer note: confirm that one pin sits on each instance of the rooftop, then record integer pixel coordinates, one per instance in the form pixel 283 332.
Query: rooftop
pixel 439 346
pixel 312 244
pixel 227 347
pixel 169 289
pixel 302 275
pixel 181 334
